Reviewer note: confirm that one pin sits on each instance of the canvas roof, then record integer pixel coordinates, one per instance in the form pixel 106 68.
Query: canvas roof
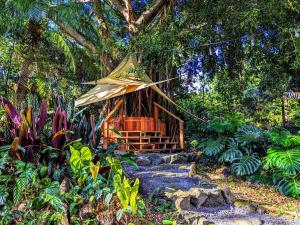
pixel 125 78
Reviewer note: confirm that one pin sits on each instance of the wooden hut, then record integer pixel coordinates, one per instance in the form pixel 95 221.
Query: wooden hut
pixel 142 131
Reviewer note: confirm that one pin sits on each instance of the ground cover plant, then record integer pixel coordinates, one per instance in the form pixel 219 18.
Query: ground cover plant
pixel 52 173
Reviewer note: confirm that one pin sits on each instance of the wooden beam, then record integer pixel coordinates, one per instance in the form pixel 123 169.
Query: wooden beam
pixel 118 105
pixel 167 111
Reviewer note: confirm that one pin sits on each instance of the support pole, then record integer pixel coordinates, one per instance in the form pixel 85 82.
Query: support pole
pixel 140 103
pixel 155 116
pixel 181 135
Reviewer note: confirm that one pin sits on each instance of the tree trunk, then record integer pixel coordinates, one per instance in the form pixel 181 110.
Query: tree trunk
pixel 23 78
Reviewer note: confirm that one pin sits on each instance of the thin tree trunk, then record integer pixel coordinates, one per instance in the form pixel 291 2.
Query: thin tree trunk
pixel 23 78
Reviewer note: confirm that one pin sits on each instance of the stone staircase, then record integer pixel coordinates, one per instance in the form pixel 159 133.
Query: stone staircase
pixel 172 177
pixel 146 141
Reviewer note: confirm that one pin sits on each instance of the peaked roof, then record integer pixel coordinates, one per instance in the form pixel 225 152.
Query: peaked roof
pixel 127 77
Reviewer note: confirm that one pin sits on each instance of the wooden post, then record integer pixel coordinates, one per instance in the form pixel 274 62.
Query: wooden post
pixel 181 135
pixel 140 103
pixel 283 107
pixel 155 116
pixel 105 135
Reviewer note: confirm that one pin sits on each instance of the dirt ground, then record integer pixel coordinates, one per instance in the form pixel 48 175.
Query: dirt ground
pixel 266 198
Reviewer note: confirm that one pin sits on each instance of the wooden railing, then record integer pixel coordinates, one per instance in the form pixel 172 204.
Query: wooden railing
pixel 181 122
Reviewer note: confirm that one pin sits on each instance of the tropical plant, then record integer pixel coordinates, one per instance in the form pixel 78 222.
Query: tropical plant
pixel 232 152
pixel 212 146
pixel 246 165
pixel 249 134
pixel 126 193
pixel 283 159
pixel 25 129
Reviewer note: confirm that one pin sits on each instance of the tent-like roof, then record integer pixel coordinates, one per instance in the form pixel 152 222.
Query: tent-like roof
pixel 125 78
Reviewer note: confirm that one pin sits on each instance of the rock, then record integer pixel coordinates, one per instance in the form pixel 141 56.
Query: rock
pixel 228 196
pixel 193 218
pixel 195 198
pixel 143 161
pixel 65 186
pixel 183 202
pixel 193 170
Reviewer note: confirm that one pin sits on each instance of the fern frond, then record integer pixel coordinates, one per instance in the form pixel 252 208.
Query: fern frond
pixel 286 161
pixel 62 44
pixel 212 147
pixel 246 165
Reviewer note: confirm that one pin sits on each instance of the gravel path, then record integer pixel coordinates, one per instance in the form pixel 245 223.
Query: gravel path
pixel 242 215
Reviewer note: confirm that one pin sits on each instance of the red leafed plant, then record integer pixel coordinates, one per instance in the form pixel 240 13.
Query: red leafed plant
pixel 25 128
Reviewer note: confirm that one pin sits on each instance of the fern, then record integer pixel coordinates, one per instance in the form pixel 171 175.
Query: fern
pixel 286 161
pixel 51 196
pixel 19 188
pixel 212 147
pixel 62 44
pixel 232 153
pixel 249 134
pixel 246 165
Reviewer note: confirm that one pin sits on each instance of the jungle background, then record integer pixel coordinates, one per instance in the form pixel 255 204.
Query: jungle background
pixel 234 61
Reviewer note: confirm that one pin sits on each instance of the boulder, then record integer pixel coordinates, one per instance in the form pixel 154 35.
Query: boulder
pixel 195 198
pixel 143 161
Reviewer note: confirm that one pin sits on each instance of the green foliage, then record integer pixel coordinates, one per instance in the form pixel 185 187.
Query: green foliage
pixel 249 134
pixel 126 193
pixel 229 124
pixel 289 186
pixel 246 165
pixel 212 147
pixel 283 160
pixel 62 44
pixel 79 158
pixel 285 139
pixel 232 153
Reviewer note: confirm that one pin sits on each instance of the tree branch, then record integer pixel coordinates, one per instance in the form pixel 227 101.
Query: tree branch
pixel 118 6
pixel 103 30
pixel 150 13
pixel 76 36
